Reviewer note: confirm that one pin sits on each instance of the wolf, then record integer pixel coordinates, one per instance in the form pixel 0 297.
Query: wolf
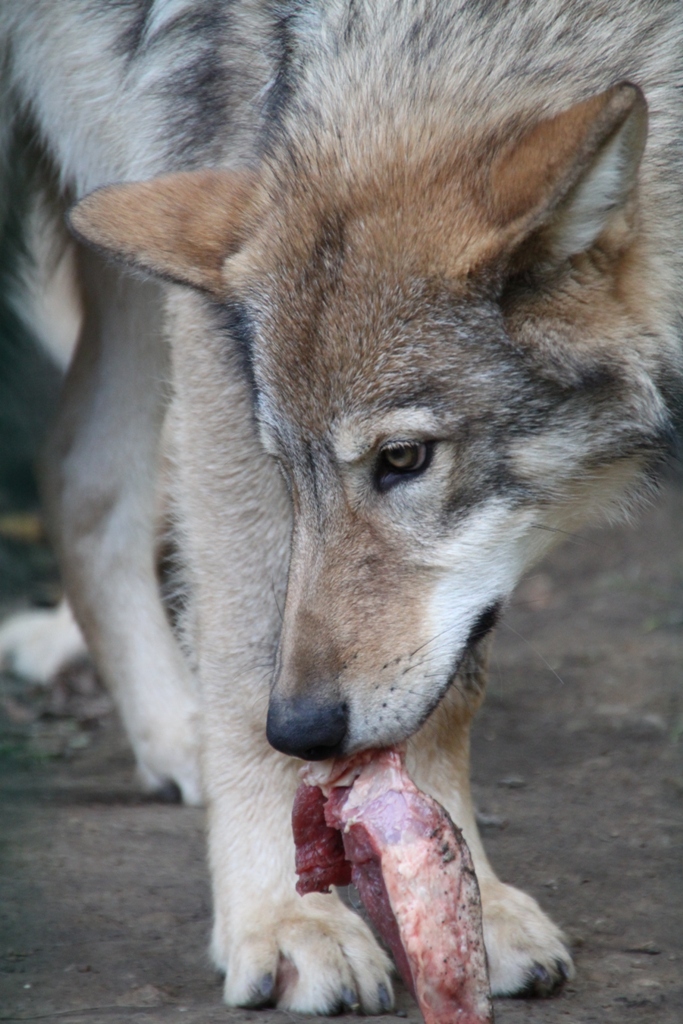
pixel 401 285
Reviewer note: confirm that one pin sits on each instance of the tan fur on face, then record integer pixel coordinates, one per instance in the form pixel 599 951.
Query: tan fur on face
pixel 340 628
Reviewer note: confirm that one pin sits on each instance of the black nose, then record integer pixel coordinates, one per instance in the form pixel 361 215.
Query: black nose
pixel 302 727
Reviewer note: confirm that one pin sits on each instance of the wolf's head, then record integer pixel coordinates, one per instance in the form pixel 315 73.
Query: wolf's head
pixel 456 352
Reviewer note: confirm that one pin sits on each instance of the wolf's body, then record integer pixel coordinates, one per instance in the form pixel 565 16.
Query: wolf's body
pixel 457 332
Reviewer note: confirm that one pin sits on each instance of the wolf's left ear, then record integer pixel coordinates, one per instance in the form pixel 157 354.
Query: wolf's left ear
pixel 180 226
pixel 571 173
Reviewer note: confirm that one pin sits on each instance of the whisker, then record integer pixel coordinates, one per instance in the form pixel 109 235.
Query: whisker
pixel 443 632
pixel 536 652
pixel 496 663
pixel 409 691
pixel 533 604
pixel 576 537
pixel 277 604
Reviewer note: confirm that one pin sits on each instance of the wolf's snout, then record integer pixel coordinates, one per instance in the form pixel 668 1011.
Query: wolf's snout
pixel 307 728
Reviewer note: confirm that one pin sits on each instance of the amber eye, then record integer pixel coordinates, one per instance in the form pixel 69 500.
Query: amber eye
pixel 405 457
pixel 402 460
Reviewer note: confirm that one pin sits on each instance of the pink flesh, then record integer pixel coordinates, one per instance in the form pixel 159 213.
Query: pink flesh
pixel 414 874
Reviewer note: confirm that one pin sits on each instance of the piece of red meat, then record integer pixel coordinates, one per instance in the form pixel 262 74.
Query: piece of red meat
pixel 413 871
pixel 320 858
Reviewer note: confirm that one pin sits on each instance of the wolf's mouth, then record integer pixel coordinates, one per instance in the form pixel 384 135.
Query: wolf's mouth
pixel 483 624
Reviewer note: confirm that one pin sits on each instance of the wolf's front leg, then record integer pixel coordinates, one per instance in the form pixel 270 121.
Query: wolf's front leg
pixel 525 949
pixel 309 954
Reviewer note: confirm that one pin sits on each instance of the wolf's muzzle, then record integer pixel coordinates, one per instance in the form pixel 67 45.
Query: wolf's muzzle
pixel 307 728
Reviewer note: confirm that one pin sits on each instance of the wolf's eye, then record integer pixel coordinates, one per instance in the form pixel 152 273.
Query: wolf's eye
pixel 398 461
pixel 405 458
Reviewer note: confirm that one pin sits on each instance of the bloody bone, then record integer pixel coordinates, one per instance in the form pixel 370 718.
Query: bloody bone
pixel 365 820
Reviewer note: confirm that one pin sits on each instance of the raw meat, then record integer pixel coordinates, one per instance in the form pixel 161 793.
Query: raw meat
pixel 320 858
pixel 413 871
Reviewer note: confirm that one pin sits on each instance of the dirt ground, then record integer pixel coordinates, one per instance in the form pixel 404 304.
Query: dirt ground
pixel 578 768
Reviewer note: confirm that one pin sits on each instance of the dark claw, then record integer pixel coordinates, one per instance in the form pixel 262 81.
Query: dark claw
pixel 263 992
pixel 350 1000
pixel 168 793
pixel 267 986
pixel 541 983
pixel 385 999
pixel 562 970
pixel 542 980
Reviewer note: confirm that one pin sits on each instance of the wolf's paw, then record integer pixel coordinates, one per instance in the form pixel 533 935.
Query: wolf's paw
pixel 526 952
pixel 167 756
pixel 312 957
pixel 171 781
pixel 37 645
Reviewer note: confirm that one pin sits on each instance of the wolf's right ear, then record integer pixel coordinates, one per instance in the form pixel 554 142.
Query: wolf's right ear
pixel 568 175
pixel 180 226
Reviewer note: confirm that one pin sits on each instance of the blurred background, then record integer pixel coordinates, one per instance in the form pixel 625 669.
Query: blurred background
pixel 38 325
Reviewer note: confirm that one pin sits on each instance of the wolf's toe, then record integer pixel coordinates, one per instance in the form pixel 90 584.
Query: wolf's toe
pixel 541 982
pixel 168 792
pixel 262 993
pixel 385 999
pixel 172 783
pixel 309 962
pixel 526 951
